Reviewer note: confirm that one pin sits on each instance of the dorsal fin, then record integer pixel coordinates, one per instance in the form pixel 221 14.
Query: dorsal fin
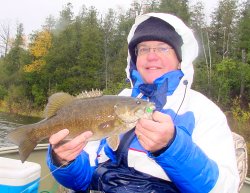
pixel 89 94
pixel 56 101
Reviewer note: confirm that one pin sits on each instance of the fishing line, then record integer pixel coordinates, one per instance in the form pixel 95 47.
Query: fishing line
pixel 47 175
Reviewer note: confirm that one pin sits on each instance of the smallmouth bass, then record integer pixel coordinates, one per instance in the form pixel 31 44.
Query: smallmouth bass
pixel 107 116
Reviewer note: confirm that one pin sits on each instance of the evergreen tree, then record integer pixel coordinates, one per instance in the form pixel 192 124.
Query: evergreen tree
pixel 223 28
pixel 109 26
pixel 244 53
pixel 176 7
pixel 203 64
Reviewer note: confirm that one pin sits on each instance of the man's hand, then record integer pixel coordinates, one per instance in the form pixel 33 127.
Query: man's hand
pixel 63 153
pixel 155 134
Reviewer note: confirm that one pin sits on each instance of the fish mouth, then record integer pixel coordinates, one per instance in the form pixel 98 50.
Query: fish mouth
pixel 139 113
pixel 146 112
pixel 151 107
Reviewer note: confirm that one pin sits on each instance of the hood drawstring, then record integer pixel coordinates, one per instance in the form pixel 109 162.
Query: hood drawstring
pixel 185 82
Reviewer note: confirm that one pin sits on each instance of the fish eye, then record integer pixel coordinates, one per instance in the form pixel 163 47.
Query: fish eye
pixel 138 102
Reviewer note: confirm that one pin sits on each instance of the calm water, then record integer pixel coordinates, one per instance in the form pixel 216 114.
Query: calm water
pixel 9 122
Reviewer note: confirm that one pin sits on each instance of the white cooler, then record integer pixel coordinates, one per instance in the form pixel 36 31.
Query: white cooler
pixel 16 177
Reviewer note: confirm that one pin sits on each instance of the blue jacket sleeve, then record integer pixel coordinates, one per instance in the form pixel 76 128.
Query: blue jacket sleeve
pixel 76 176
pixel 187 165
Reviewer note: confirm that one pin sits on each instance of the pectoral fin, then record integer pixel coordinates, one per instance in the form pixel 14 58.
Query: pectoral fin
pixel 113 142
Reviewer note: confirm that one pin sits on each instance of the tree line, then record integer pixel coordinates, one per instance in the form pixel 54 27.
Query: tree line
pixel 89 50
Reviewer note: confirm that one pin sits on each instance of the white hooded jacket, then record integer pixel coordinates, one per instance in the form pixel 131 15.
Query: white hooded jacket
pixel 210 133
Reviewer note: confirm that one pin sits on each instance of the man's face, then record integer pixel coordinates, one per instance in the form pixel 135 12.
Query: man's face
pixel 155 58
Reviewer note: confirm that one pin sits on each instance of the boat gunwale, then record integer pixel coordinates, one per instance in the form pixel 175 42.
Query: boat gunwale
pixel 14 149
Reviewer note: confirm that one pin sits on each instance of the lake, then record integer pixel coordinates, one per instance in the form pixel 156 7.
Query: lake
pixel 9 122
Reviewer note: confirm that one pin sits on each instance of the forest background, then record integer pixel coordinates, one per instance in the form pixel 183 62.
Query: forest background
pixel 74 53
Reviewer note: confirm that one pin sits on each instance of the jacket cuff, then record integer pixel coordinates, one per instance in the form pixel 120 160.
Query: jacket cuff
pixel 159 152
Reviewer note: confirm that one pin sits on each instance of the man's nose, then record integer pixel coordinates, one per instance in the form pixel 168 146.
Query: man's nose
pixel 152 54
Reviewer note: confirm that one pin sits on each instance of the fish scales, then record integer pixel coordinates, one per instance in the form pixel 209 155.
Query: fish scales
pixel 84 115
pixel 106 116
pixel 79 116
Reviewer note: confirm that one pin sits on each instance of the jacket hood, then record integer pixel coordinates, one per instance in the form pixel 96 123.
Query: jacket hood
pixel 189 48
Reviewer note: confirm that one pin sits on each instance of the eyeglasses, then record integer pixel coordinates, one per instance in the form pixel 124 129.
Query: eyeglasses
pixel 146 50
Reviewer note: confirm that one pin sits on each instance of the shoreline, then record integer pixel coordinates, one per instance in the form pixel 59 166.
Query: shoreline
pixel 29 113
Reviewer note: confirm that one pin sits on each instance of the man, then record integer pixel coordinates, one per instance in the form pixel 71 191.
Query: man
pixel 187 147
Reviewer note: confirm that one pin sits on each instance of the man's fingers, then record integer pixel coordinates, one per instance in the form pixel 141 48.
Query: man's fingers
pixel 83 137
pixel 160 117
pixel 71 154
pixel 88 134
pixel 57 137
pixel 68 150
pixel 80 139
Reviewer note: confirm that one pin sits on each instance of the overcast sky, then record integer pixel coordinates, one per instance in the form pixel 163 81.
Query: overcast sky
pixel 32 13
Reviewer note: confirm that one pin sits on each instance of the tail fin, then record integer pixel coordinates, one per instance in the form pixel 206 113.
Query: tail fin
pixel 23 138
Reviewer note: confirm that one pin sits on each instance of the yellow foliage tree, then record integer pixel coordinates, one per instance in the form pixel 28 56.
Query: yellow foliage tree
pixel 39 48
